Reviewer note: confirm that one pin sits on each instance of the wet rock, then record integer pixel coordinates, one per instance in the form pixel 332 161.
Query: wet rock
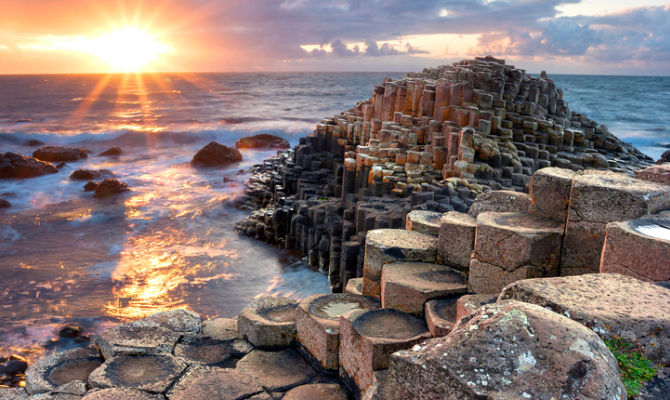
pixel 70 332
pixel 180 321
pixel 120 394
pixel 112 152
pixel 34 143
pixel 90 186
pixel 13 394
pixel 109 187
pixel 4 203
pixel 137 338
pixel 320 391
pixel 262 141
pixel 354 286
pixel 90 174
pixel 626 198
pixel 665 157
pixel 510 350
pixel 14 367
pixel 51 372
pixel 441 316
pixel 427 222
pixel 207 383
pixel 220 329
pixel 456 239
pixel 269 322
pixel 636 248
pixel 276 370
pixel 17 166
pixel 406 286
pixel 215 154
pixel 58 153
pixel 369 337
pixel 383 246
pixel 612 305
pixel 318 325
pixel 151 373
pixel 500 201
pixel 550 193
pixel 205 350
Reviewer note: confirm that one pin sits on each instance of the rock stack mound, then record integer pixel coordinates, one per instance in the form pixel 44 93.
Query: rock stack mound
pixel 430 141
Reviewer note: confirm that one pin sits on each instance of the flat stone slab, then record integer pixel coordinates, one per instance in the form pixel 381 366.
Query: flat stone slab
pixel 205 350
pixel 51 372
pixel 500 201
pixel 427 222
pixel 456 239
pixel 269 322
pixel 151 373
pixel 638 248
pixel 550 193
pixel 276 370
pixel 384 246
pixel 220 329
pixel 318 324
pixel 14 394
pixel 610 304
pixel 509 350
pixel 626 199
pixel 441 316
pixel 120 394
pixel 470 303
pixel 406 286
pixel 512 240
pixel 655 173
pixel 136 338
pixel 354 286
pixel 316 391
pixel 369 337
pixel 180 321
pixel 208 383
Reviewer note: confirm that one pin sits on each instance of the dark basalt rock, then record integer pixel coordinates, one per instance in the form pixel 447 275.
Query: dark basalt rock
pixel 14 165
pixel 90 186
pixel 34 143
pixel 665 157
pixel 215 154
pixel 109 187
pixel 5 204
pixel 58 153
pixel 89 174
pixel 262 141
pixel 112 152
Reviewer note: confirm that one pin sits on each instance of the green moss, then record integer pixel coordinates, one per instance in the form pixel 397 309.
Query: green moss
pixel 634 367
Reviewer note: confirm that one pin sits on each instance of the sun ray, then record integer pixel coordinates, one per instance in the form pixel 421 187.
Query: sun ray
pixel 88 101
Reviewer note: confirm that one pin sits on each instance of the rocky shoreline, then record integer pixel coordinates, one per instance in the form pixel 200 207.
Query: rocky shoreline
pixel 431 141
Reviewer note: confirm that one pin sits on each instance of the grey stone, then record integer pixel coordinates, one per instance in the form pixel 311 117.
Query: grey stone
pixel 276 370
pixel 151 373
pixel 209 383
pixel 51 372
pixel 220 328
pixel 269 322
pixel 500 201
pixel 316 391
pixel 120 394
pixel 181 321
pixel 137 338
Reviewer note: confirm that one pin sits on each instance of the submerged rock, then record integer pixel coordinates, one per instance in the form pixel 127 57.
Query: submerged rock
pixel 509 350
pixel 112 151
pixel 5 203
pixel 262 141
pixel 109 187
pixel 34 143
pixel 58 153
pixel 90 174
pixel 215 154
pixel 14 165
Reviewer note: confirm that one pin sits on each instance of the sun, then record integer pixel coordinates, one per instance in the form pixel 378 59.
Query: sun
pixel 129 49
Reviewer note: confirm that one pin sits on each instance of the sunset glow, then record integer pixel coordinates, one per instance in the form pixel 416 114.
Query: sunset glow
pixel 128 49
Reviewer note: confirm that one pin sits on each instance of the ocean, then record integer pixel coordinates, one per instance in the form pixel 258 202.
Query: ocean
pixel 66 257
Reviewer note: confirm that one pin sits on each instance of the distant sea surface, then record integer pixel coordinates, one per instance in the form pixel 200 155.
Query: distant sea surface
pixel 68 258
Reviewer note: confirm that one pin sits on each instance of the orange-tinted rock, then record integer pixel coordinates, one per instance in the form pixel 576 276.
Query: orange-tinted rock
pixel 262 140
pixel 215 154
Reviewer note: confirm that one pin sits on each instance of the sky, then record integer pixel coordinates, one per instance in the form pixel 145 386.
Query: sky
pixel 560 36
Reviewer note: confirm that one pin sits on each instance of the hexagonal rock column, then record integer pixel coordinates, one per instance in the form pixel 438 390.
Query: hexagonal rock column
pixel 639 248
pixel 120 394
pixel 550 193
pixel 51 373
pixel 512 246
pixel 610 304
pixel 220 329
pixel 276 371
pixel 180 321
pixel 406 286
pixel 354 286
pixel 456 239
pixel 151 373
pixel 470 303
pixel 269 322
pixel 137 338
pixel 655 173
pixel 317 391
pixel 369 337
pixel 205 350
pixel 427 222
pixel 207 383
pixel 384 246
pixel 441 316
pixel 509 350
pixel 597 198
pixel 318 325
pixel 500 201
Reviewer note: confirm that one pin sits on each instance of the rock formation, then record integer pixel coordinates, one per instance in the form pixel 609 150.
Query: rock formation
pixel 262 141
pixel 16 166
pixel 60 154
pixel 214 154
